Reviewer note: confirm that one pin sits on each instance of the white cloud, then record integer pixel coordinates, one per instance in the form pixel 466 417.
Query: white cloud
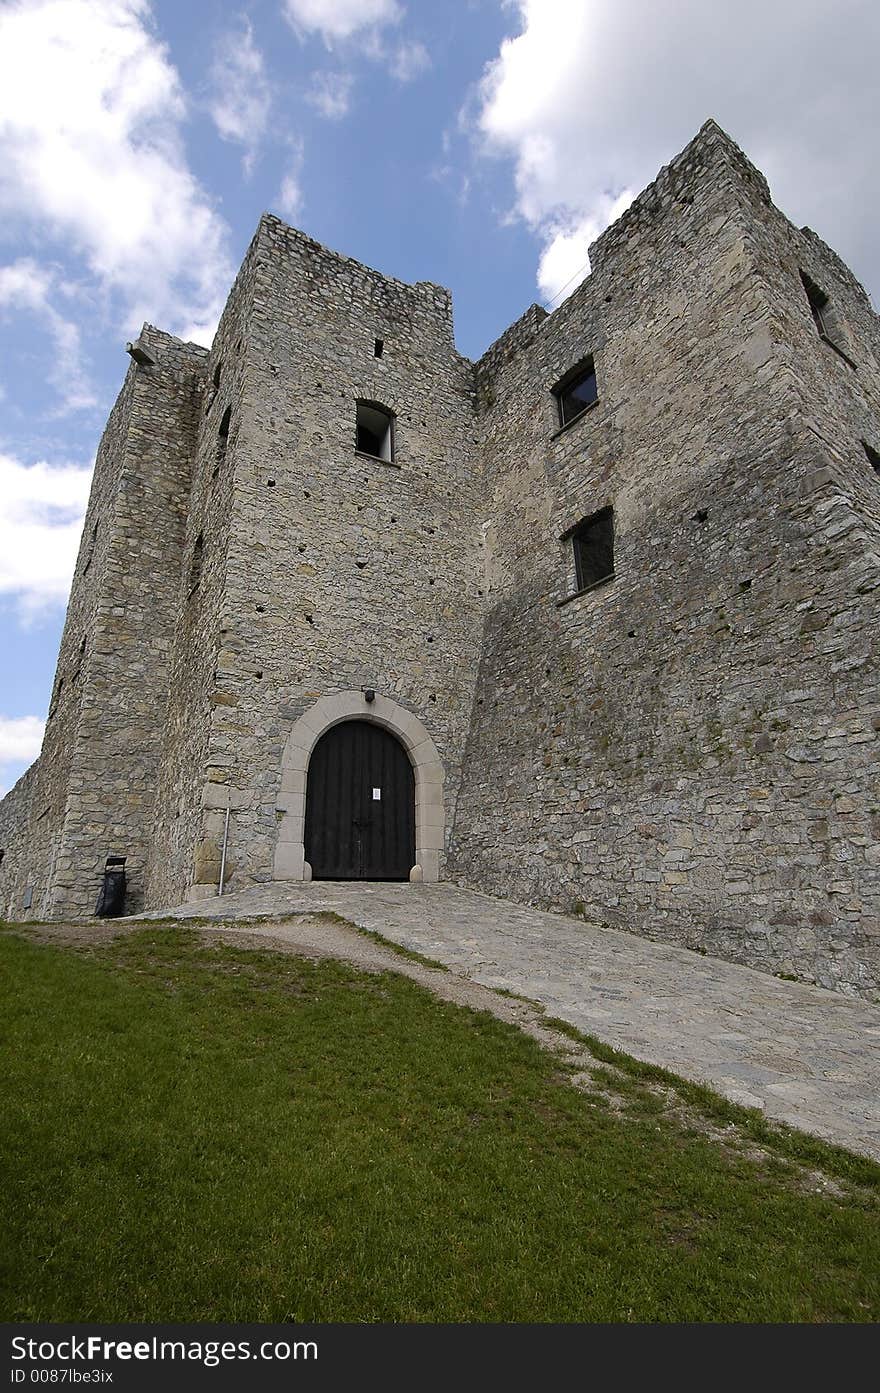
pixel 593 96
pixel 26 285
pixel 339 22
pixel 564 261
pixel 41 513
pixel 289 198
pixel 339 19
pixel 409 59
pixel 90 120
pixel 20 738
pixel 240 94
pixel 330 94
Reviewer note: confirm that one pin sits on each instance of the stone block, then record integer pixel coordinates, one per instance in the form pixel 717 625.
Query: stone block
pixel 424 753
pixel 429 793
pixel 817 479
pixel 224 796
pixel 290 828
pixel 429 859
pixel 289 861
pixel 196 893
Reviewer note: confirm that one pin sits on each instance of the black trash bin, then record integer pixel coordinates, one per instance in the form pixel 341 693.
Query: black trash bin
pixel 111 901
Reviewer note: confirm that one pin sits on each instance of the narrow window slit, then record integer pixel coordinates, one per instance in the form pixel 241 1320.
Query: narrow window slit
pixel 818 302
pixel 195 570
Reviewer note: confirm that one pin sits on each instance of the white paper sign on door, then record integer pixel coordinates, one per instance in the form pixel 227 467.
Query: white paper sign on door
pixel 377 795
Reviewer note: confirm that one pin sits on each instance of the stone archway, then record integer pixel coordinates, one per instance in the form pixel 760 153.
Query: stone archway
pixel 290 862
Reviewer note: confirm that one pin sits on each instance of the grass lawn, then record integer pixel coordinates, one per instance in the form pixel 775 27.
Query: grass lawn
pixel 207 1133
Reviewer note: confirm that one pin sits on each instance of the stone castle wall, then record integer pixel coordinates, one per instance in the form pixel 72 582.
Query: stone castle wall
pixel 343 572
pixel 33 814
pixel 25 856
pixel 686 749
pixel 120 738
pixel 94 788
pixel 178 851
pixel 680 750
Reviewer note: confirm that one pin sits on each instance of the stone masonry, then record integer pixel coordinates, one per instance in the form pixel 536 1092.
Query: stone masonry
pixel 686 748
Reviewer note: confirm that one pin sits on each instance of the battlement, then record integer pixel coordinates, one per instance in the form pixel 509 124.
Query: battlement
pixel 694 171
pixel 171 352
pixel 331 274
pixel 709 161
pixel 516 337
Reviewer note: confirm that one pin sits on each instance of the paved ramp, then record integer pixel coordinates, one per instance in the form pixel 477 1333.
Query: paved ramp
pixel 806 1056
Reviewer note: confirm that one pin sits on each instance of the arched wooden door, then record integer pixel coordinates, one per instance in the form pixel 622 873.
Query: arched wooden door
pixel 360 805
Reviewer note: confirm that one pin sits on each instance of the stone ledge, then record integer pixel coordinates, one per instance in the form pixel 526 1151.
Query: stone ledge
pixel 223 796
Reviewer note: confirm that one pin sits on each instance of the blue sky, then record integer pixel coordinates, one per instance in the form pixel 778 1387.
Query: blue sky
pixel 478 143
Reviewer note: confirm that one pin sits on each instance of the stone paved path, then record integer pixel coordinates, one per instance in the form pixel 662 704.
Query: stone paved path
pixel 807 1056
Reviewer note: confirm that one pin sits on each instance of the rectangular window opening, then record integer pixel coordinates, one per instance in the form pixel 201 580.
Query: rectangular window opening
pixel 374 431
pixel 576 391
pixel 378 347
pixel 593 545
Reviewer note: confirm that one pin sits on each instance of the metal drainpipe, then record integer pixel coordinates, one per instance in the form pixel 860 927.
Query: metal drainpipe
pixel 223 854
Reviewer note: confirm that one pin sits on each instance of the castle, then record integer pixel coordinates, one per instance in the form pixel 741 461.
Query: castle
pixel 591 623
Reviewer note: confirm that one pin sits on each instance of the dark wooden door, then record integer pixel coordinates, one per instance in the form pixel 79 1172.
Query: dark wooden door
pixel 360 805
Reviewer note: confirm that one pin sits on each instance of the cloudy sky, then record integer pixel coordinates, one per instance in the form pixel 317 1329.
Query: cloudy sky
pixel 479 143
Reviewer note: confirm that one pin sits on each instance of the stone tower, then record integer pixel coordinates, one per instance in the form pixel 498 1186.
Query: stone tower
pixel 612 590
pixel 688 746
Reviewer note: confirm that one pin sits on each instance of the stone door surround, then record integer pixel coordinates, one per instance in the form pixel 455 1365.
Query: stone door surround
pixel 290 862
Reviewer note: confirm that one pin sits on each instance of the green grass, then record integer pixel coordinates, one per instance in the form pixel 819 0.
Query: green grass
pixel 397 948
pixel 328 915
pixel 635 1079
pixel 208 1133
